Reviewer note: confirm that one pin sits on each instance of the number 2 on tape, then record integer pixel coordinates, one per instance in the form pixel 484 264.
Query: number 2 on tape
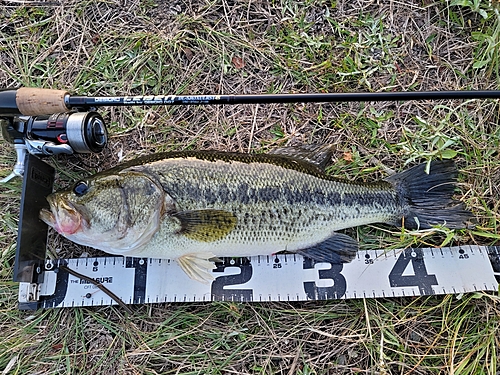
pixel 221 294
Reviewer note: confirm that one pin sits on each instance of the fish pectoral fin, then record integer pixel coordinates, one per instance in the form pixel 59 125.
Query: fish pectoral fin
pixel 206 225
pixel 339 248
pixel 197 266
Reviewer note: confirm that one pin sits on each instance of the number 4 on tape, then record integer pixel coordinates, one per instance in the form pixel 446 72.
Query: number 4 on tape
pixel 401 277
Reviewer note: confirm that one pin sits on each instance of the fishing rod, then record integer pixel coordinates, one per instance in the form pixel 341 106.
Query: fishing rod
pixel 48 122
pixel 35 101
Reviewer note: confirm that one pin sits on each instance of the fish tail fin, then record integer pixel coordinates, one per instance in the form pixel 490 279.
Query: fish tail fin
pixel 428 198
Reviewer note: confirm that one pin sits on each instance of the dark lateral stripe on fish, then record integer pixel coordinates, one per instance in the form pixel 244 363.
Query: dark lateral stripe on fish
pixel 245 194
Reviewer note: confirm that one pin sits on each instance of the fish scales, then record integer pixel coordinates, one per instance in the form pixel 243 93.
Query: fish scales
pixel 273 203
pixel 193 206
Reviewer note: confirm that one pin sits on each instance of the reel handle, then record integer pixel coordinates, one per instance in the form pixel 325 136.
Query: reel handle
pixel 18 169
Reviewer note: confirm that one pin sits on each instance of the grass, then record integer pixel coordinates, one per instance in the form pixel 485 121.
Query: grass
pixel 204 47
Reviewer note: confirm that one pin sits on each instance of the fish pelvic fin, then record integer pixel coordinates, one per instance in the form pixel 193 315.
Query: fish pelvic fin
pixel 337 249
pixel 198 267
pixel 427 199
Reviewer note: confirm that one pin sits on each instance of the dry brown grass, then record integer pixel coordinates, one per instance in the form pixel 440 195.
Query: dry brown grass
pixel 237 47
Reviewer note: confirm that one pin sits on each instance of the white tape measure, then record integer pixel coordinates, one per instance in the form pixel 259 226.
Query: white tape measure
pixel 285 277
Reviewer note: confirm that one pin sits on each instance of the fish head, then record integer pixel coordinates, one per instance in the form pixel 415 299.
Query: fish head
pixel 116 213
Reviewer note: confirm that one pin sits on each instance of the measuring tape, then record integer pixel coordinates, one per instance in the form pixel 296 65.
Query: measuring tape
pixel 283 277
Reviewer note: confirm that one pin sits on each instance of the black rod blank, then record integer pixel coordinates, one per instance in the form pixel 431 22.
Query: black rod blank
pixel 88 101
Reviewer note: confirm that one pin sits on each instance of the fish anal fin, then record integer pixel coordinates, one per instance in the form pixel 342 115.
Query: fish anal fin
pixel 339 248
pixel 206 225
pixel 198 267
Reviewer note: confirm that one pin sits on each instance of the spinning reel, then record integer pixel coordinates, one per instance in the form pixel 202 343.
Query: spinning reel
pixel 46 135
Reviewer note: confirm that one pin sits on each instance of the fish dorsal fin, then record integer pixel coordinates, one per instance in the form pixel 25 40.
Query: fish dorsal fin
pixel 317 155
pixel 206 225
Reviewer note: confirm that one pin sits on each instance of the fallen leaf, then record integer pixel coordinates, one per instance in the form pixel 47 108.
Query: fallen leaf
pixel 188 52
pixel 238 62
pixel 347 157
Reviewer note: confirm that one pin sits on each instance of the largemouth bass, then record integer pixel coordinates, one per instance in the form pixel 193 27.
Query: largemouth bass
pixel 194 206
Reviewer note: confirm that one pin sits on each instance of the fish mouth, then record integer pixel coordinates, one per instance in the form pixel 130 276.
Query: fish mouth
pixel 47 217
pixel 63 216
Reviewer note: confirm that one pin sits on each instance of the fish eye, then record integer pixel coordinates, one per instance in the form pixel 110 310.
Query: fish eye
pixel 80 188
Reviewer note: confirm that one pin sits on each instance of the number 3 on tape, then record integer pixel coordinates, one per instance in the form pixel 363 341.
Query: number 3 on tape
pixel 331 292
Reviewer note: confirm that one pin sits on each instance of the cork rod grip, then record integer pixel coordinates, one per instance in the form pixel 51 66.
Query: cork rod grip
pixel 33 101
